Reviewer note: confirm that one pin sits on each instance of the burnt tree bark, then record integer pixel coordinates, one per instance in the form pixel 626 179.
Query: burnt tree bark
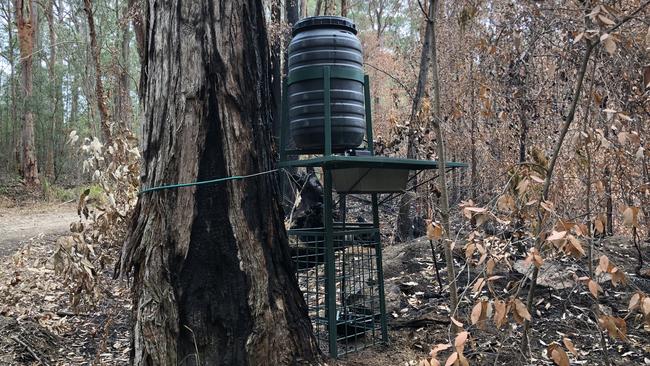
pixel 27 24
pixel 212 275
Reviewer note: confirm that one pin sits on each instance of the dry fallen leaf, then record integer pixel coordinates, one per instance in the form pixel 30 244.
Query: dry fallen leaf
pixel 461 338
pixel 452 359
pixel 569 345
pixel 631 216
pixel 500 313
pixel 456 322
pixel 603 263
pixel 557 354
pixel 556 235
pixel 594 287
pixel 520 311
pixel 434 231
pixel 634 301
pixel 476 312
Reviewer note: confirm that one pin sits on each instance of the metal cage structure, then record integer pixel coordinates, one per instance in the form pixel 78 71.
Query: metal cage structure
pixel 339 264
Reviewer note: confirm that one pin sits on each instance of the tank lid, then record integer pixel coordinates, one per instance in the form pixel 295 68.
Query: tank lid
pixel 328 21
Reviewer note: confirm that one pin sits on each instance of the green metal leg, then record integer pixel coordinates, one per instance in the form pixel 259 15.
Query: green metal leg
pixel 380 269
pixel 330 286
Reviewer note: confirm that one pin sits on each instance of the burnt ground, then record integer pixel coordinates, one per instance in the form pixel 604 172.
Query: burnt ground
pixel 420 316
pixel 38 324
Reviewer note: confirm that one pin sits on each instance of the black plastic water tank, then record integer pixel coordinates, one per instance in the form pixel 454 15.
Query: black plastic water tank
pixel 326 41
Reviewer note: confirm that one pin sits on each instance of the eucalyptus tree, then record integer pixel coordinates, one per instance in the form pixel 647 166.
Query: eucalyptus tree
pixel 212 273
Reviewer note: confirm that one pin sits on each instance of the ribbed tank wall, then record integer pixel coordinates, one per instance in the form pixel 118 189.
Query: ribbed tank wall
pixel 326 41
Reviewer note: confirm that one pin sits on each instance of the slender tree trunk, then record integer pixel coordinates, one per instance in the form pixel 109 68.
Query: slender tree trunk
pixel 330 7
pixel 27 22
pixel 15 140
pixel 104 113
pixel 212 273
pixel 586 126
pixel 473 127
pixel 74 102
pixel 303 8
pixel 404 219
pixel 293 11
pixel 55 95
pixel 344 8
pixel 319 4
pixel 288 194
pixel 442 174
pixel 135 14
pixel 609 205
pixel 547 184
pixel 122 101
pixel 524 105
pixel 276 67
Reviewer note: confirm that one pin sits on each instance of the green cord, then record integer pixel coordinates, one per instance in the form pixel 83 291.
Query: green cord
pixel 180 185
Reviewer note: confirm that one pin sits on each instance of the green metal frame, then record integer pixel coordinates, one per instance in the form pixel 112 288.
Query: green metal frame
pixel 328 162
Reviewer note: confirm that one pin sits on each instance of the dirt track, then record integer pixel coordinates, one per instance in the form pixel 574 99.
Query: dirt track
pixel 20 224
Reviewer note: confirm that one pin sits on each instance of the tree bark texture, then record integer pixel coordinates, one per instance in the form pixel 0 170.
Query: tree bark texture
pixel 27 23
pixel 212 273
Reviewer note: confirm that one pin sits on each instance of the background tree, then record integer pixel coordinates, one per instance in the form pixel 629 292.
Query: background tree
pixel 27 23
pixel 211 268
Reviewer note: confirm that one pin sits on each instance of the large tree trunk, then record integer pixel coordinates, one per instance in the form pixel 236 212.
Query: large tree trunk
pixel 212 275
pixel 27 22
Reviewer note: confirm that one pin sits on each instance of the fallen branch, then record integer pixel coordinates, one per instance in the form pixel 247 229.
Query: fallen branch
pixel 30 350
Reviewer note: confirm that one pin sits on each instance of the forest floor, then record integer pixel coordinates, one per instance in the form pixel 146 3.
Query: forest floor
pixel 20 224
pixel 39 325
pixel 419 315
